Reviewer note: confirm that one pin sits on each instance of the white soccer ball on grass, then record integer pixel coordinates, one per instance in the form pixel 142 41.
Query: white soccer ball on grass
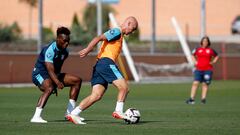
pixel 133 115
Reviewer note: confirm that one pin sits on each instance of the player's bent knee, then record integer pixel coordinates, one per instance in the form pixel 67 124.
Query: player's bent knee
pixel 77 79
pixel 128 91
pixel 124 88
pixel 80 81
pixel 96 97
pixel 205 84
pixel 48 90
pixel 195 83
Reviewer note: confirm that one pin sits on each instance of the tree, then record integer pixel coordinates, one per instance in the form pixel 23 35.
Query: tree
pixel 134 36
pixel 10 33
pixel 81 34
pixel 48 34
pixel 90 19
pixel 78 34
pixel 32 4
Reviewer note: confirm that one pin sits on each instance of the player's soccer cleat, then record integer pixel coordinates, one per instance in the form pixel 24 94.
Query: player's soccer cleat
pixel 38 120
pixel 81 118
pixel 119 115
pixel 203 101
pixel 74 119
pixel 190 101
pixel 55 92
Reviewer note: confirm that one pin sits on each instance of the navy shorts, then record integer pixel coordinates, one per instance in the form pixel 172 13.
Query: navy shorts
pixel 39 76
pixel 203 76
pixel 105 71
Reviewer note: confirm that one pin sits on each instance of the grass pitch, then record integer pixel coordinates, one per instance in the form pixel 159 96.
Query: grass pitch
pixel 162 107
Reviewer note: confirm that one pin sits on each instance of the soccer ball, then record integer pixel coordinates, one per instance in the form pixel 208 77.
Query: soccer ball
pixel 133 115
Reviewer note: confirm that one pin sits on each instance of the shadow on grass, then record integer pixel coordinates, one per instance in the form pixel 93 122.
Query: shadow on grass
pixel 101 121
pixel 60 121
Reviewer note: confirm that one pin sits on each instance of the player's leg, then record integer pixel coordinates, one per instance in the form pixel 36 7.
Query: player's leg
pixel 97 93
pixel 122 86
pixel 195 84
pixel 46 87
pixel 194 88
pixel 99 85
pixel 111 73
pixel 74 83
pixel 207 77
pixel 204 92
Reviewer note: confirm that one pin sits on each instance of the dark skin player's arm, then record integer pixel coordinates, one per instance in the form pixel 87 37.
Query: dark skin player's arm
pixel 53 76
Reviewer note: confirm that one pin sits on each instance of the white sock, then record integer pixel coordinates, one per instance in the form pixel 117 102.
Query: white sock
pixel 119 107
pixel 76 111
pixel 71 106
pixel 38 112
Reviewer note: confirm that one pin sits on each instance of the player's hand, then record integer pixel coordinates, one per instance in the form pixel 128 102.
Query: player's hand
pixel 212 62
pixel 195 64
pixel 60 85
pixel 83 52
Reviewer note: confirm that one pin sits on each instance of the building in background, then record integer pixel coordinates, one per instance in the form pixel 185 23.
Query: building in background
pixel 219 15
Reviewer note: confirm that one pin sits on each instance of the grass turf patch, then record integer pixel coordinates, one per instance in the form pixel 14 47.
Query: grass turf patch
pixel 162 106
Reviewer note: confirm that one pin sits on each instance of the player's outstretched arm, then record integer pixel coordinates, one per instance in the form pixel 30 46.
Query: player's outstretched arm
pixel 91 45
pixel 53 76
pixel 215 59
pixel 194 60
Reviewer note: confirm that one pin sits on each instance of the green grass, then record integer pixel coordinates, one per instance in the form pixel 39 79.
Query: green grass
pixel 162 107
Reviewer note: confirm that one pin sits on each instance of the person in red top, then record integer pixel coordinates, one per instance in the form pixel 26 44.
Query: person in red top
pixel 204 57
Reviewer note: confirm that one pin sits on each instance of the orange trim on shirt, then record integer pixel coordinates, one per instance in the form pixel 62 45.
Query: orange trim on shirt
pixel 110 49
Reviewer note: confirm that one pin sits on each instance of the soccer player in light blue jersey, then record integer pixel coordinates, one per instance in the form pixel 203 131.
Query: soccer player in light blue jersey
pixel 48 77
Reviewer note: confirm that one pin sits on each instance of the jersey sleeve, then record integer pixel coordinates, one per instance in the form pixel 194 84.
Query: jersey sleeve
pixel 112 34
pixel 214 53
pixel 49 55
pixel 194 51
pixel 67 53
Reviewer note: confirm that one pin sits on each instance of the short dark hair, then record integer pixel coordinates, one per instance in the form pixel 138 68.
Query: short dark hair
pixel 205 37
pixel 63 30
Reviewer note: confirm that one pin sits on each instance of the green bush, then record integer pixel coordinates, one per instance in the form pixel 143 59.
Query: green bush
pixel 10 33
pixel 48 35
pixel 79 36
pixel 90 19
pixel 82 34
pixel 134 37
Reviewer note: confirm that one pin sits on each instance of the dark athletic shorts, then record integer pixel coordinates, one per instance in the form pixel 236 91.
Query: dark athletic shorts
pixel 105 71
